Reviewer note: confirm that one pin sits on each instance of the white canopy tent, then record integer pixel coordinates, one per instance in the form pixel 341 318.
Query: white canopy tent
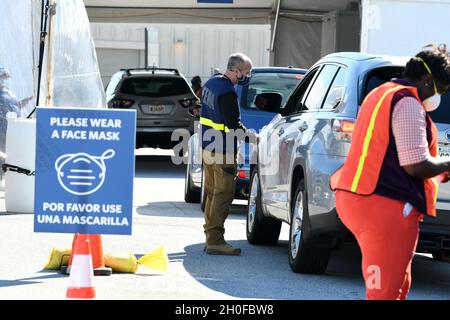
pixel 300 31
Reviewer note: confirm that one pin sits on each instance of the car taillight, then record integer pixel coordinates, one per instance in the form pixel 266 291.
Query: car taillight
pixel 242 174
pixel 186 103
pixel 343 129
pixel 120 103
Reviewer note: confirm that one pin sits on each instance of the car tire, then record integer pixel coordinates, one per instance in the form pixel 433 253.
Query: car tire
pixel 260 230
pixel 203 194
pixel 304 255
pixel 190 195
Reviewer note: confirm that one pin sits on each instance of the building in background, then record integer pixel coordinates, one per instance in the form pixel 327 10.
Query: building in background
pixel 193 49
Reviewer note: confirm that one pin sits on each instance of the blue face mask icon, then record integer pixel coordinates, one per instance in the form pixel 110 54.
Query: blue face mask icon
pixel 80 173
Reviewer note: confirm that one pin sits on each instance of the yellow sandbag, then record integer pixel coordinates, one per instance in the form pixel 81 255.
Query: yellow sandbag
pixel 127 262
pixel 123 262
pixel 58 258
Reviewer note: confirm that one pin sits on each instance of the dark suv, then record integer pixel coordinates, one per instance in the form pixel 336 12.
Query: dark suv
pixel 161 98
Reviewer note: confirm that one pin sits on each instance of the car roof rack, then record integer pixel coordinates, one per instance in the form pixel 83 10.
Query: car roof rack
pixel 152 69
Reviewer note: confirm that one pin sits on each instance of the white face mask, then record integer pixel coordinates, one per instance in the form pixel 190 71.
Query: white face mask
pixel 432 103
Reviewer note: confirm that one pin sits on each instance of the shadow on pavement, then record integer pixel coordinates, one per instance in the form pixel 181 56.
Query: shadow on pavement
pixel 6 213
pixel 185 210
pixel 264 273
pixel 31 280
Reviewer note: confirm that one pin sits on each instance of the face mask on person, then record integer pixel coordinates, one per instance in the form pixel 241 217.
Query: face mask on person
pixel 433 102
pixel 243 80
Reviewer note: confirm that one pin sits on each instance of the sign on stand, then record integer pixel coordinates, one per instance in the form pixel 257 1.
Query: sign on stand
pixel 84 170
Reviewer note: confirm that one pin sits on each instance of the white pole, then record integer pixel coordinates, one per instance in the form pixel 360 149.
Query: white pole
pixel 50 39
pixel 275 26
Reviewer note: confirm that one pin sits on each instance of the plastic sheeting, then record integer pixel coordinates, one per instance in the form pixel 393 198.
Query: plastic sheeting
pixel 19 24
pixel 298 43
pixel 76 76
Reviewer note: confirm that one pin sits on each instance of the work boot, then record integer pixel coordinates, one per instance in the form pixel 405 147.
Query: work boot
pixel 222 249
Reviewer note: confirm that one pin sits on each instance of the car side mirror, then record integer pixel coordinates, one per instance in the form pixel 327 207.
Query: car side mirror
pixel 194 110
pixel 269 101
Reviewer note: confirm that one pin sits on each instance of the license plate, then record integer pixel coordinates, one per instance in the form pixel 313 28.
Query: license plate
pixel 444 150
pixel 158 109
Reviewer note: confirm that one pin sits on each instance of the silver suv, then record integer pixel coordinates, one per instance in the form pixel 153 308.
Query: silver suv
pixel 306 142
pixel 161 98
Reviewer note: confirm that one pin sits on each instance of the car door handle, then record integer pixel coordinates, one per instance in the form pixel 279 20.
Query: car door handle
pixel 303 126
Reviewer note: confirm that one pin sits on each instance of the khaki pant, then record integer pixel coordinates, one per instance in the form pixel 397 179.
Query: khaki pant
pixel 220 185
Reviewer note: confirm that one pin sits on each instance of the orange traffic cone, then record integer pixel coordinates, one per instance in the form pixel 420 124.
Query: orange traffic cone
pixel 98 260
pixel 81 274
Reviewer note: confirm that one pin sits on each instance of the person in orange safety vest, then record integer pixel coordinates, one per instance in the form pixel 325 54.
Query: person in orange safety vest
pixel 391 175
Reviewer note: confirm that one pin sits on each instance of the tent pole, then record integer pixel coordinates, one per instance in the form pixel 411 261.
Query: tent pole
pixel 50 64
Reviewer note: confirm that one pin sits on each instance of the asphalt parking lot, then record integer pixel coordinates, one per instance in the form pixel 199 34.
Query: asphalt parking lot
pixel 160 216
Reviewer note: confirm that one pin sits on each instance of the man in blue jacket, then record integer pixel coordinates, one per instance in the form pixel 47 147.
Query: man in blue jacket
pixel 220 120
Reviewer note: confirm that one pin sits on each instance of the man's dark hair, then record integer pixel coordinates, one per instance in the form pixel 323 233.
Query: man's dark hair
pixel 196 81
pixel 438 60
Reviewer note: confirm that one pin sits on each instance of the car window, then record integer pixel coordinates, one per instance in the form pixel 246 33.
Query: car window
pixel 379 76
pixel 283 83
pixel 319 88
pixel 115 79
pixel 337 90
pixel 442 114
pixel 294 102
pixel 155 87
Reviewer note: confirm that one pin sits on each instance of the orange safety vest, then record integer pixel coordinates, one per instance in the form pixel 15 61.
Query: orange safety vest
pixel 361 170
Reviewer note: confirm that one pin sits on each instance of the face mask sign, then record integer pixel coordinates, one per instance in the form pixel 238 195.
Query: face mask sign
pixel 82 174
pixel 433 102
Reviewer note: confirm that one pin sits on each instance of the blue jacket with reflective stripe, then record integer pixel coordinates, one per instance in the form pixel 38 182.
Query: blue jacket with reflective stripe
pixel 211 115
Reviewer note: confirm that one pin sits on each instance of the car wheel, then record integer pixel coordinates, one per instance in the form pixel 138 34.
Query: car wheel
pixel 190 195
pixel 203 193
pixel 261 230
pixel 304 256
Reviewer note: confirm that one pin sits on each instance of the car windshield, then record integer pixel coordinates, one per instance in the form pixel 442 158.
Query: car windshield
pixel 155 87
pixel 283 83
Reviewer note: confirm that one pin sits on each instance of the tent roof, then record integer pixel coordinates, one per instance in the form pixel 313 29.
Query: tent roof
pixel 189 11
pixel 302 5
